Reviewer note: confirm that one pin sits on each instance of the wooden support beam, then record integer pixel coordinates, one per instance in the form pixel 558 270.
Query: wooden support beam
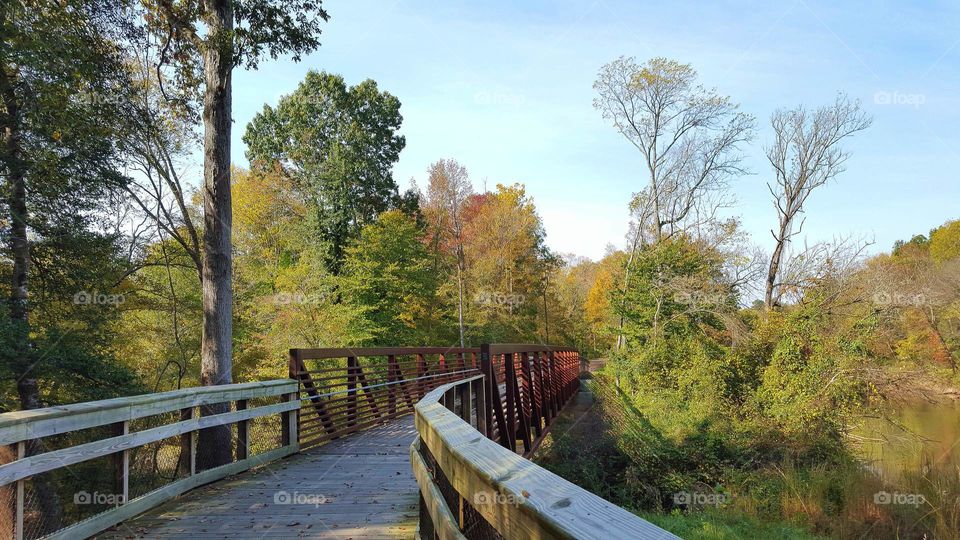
pixel 243 428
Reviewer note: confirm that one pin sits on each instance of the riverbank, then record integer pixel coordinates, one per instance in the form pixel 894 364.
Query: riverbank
pixel 611 448
pixel 905 383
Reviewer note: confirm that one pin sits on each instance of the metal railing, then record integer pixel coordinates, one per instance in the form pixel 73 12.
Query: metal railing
pixel 347 390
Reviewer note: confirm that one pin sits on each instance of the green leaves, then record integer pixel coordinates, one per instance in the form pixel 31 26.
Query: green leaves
pixel 338 144
pixel 387 272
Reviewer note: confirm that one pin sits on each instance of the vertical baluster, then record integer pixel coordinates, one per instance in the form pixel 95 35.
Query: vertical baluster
pixel 351 391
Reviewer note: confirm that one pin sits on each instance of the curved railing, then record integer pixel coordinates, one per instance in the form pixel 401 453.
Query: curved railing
pixel 473 487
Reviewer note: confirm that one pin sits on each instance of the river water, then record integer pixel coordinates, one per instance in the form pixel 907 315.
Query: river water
pixel 920 437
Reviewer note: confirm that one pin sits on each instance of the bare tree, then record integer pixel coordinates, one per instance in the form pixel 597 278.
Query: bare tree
pixel 689 137
pixel 805 155
pixel 827 266
pixel 158 148
pixel 449 187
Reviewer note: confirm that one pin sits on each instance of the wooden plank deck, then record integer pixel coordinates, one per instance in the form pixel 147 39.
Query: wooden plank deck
pixel 361 486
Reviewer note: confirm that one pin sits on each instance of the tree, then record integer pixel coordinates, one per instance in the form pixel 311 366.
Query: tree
pixel 285 296
pixel 212 37
pixel 447 193
pixel 61 87
pixel 387 273
pixel 945 242
pixel 503 240
pixel 688 136
pixel 157 143
pixel 338 144
pixel 605 322
pixel 805 155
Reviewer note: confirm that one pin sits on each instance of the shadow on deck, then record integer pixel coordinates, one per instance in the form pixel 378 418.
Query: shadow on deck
pixel 360 486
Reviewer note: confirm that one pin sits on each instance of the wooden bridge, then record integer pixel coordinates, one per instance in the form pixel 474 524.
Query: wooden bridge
pixel 331 452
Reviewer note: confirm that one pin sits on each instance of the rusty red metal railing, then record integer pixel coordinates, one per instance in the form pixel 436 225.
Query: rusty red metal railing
pixel 531 384
pixel 346 390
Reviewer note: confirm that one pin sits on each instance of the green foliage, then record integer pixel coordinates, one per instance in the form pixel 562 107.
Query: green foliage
pixel 723 525
pixel 261 28
pixel 387 275
pixel 63 92
pixel 338 145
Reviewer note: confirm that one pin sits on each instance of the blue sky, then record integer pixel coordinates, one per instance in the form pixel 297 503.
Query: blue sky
pixel 505 88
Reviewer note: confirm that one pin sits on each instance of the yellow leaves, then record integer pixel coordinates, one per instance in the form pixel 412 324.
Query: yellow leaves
pixel 56 135
pixel 945 242
pixel 265 208
pixel 662 72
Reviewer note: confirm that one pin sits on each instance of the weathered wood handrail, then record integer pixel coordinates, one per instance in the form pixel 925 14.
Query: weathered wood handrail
pixel 22 427
pixel 472 487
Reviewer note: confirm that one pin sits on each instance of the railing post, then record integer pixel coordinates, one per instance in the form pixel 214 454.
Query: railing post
pixel 121 464
pixel 421 371
pixel 544 388
pixel 536 383
pixel 298 371
pixel 392 378
pixel 463 392
pixel 362 378
pixel 480 405
pixel 21 453
pixel 529 393
pixel 243 440
pixel 555 383
pixel 494 407
pixel 188 444
pixel 289 422
pixel 449 401
pixel 510 379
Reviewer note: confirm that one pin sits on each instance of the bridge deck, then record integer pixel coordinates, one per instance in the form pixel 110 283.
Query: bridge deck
pixel 361 486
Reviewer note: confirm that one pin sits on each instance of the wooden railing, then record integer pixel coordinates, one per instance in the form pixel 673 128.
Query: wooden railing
pixel 142 450
pixel 168 418
pixel 473 487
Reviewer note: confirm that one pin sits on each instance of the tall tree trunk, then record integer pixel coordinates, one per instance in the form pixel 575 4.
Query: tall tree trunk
pixel 621 340
pixel 22 361
pixel 774 269
pixel 214 446
pixel 460 269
